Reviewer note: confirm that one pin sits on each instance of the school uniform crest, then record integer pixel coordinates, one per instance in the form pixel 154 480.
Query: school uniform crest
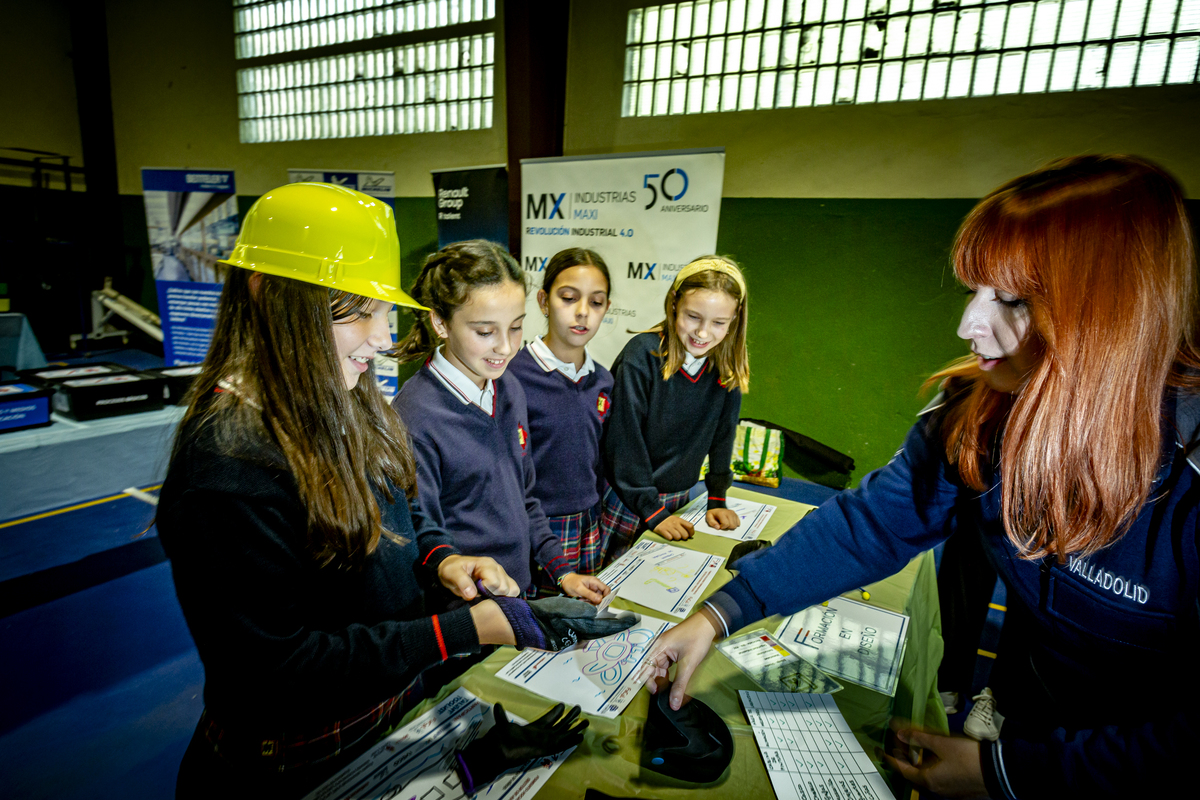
pixel 522 436
pixel 603 404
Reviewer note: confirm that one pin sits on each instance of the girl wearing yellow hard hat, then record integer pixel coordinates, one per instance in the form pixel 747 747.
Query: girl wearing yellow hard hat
pixel 299 553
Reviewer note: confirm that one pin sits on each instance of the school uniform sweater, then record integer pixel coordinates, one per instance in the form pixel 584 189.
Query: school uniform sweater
pixel 566 419
pixel 288 645
pixel 660 431
pixel 1084 628
pixel 475 474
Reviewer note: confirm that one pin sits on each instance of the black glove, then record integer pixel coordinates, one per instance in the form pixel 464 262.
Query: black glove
pixel 508 745
pixel 555 623
pixel 744 549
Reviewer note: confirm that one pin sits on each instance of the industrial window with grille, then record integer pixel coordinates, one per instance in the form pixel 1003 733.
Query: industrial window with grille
pixel 737 55
pixel 424 85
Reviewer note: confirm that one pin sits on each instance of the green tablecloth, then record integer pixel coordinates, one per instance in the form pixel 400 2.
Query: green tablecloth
pixel 608 758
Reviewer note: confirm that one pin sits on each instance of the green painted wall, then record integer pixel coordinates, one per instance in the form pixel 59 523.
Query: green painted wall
pixel 852 306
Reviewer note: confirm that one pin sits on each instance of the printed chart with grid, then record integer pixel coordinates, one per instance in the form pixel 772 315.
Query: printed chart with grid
pixel 808 749
pixel 738 55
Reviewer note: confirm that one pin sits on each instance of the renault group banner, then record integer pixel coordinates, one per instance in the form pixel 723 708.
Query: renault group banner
pixel 472 203
pixel 646 214
pixel 377 183
pixel 192 220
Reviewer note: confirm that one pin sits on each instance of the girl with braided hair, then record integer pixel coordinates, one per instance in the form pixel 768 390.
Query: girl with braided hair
pixel 468 419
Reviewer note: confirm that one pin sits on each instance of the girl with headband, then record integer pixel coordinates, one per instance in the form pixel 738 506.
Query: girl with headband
pixel 677 392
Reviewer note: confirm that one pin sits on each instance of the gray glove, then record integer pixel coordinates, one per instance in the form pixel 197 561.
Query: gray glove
pixel 555 623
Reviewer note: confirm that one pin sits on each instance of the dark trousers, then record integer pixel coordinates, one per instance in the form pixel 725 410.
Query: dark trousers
pixel 966 581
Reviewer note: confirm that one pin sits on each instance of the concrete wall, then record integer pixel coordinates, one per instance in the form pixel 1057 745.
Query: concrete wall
pixel 926 149
pixel 175 105
pixel 37 86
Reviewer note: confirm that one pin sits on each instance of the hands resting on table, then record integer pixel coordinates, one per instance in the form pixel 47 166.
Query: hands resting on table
pixel 674 527
pixel 947 765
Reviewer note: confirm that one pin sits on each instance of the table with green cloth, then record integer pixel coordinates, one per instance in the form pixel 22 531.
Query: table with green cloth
pixel 608 758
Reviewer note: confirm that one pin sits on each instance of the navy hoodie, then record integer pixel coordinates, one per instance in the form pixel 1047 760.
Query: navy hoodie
pixel 1090 624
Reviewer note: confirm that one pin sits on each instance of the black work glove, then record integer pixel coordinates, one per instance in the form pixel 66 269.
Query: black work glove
pixel 743 549
pixel 555 623
pixel 508 745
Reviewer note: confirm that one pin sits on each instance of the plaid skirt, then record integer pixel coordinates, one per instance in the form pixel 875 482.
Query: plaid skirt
pixel 287 752
pixel 620 527
pixel 580 537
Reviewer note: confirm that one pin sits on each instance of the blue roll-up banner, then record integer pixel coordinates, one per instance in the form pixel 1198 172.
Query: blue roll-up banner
pixel 382 185
pixel 192 219
pixel 472 203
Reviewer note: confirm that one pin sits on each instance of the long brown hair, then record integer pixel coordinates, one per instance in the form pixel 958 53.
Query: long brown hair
pixel 273 345
pixel 1101 250
pixel 445 283
pixel 730 357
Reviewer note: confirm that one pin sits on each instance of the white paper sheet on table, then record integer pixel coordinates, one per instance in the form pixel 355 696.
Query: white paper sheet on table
pixel 414 761
pixel 754 516
pixel 597 675
pixel 808 749
pixel 862 643
pixel 662 577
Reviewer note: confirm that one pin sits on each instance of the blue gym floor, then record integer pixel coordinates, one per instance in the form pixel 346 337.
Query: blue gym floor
pixel 99 679
pixel 100 683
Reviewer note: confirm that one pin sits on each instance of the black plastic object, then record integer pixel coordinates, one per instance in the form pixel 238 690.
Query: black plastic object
pixel 692 744
pixel 743 549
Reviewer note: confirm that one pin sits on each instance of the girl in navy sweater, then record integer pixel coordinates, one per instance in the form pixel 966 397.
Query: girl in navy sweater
pixel 468 420
pixel 676 396
pixel 569 397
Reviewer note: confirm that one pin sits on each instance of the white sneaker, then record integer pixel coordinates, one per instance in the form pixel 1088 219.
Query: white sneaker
pixel 950 701
pixel 984 721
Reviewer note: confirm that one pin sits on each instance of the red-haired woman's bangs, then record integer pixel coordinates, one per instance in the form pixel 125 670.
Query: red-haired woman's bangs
pixel 990 249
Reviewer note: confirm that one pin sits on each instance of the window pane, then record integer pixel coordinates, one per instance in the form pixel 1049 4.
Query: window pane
pixel 762 54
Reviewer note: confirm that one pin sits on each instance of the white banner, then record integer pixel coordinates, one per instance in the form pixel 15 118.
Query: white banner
pixel 646 214
pixel 376 183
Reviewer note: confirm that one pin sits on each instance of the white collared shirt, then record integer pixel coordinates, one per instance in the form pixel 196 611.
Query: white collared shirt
pixel 546 359
pixel 463 387
pixel 693 365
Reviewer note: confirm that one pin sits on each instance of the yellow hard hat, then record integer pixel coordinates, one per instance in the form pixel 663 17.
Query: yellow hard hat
pixel 324 234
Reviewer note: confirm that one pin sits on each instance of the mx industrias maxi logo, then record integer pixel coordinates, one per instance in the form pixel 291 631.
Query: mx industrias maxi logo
pixel 544 206
pixel 642 270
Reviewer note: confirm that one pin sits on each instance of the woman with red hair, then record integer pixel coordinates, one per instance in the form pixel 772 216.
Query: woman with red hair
pixel 1063 442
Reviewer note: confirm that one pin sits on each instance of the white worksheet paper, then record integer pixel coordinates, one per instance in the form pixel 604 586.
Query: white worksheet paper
pixel 662 577
pixel 414 762
pixel 597 675
pixel 754 517
pixel 862 643
pixel 808 749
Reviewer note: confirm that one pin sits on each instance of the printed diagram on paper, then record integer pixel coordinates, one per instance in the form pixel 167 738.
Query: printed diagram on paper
pixel 754 516
pixel 862 643
pixel 414 762
pixel 597 675
pixel 662 577
pixel 808 749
